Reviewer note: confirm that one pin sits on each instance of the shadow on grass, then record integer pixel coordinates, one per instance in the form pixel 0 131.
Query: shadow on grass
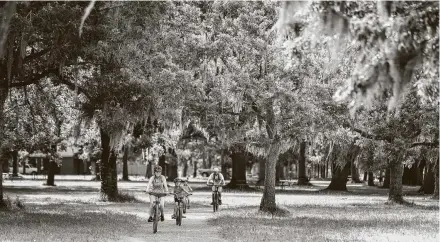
pixel 72 225
pixel 323 223
pixel 49 189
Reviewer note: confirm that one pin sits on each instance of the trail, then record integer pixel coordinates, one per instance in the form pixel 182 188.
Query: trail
pixel 194 227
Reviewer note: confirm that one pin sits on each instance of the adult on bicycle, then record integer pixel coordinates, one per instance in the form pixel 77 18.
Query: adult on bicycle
pixel 157 183
pixel 217 179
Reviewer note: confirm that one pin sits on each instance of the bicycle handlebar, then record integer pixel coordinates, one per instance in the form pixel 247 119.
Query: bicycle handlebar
pixel 158 194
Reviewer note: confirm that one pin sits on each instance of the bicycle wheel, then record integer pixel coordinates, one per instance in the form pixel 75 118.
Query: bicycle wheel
pixel 156 218
pixel 214 203
pixel 179 216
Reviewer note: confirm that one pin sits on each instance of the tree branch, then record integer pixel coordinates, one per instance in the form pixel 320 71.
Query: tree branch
pixel 366 134
pixel 71 86
pixel 34 79
pixel 428 144
pixel 36 55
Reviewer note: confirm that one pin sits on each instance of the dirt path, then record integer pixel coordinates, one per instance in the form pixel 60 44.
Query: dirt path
pixel 194 226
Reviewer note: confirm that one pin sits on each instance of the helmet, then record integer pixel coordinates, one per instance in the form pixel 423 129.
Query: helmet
pixel 177 180
pixel 157 168
pixel 216 170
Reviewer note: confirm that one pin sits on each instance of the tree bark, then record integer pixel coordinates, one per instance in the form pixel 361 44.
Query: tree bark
pixel 51 173
pixel 339 178
pixel 370 179
pixel 396 188
pixel 302 176
pixel 109 181
pixel 112 177
pixel 428 186
pixel 195 169
pixel 15 163
pixel 386 182
pixel 185 168
pixel 261 170
pixel 1 180
pixel 406 177
pixel 268 203
pixel 354 172
pixel 98 170
pixel 365 176
pixel 4 90
pixel 238 170
pixel 125 164
pixel 436 175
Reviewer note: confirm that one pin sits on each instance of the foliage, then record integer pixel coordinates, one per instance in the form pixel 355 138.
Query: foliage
pixel 396 40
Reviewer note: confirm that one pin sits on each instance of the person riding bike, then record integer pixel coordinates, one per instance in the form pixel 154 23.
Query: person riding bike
pixel 179 192
pixel 157 183
pixel 217 179
pixel 188 188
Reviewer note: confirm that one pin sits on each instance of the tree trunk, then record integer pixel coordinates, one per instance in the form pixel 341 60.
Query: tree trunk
pixel 261 170
pixel 238 170
pixel 51 173
pixel 195 169
pixel 1 181
pixel 109 188
pixel 4 90
pixel 354 173
pixel 396 188
pixel 98 170
pixel 436 175
pixel 428 186
pixel 406 177
pixel 386 182
pixel 185 168
pixel 365 176
pixel 278 173
pixel 268 203
pixel 15 163
pixel 323 171
pixel 419 176
pixel 370 179
pixel 112 177
pixel 339 178
pixel 302 176
pixel 125 164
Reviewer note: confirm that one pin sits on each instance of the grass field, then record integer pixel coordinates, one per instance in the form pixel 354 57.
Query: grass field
pixel 72 211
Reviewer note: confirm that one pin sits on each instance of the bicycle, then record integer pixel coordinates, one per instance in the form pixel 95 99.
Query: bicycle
pixel 180 209
pixel 215 196
pixel 156 208
pixel 186 203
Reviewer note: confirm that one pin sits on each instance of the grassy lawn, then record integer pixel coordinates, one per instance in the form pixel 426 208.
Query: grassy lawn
pixel 73 211
pixel 56 222
pixel 355 222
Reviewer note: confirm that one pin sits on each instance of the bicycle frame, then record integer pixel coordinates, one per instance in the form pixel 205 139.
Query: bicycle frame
pixel 215 198
pixel 156 209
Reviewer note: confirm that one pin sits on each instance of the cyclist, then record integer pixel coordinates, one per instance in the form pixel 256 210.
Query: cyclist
pixel 179 193
pixel 157 183
pixel 217 179
pixel 189 189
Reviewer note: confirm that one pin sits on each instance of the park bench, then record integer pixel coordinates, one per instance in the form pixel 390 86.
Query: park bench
pixel 284 183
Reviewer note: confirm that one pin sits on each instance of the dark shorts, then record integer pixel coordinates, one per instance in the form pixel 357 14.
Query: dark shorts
pixel 176 200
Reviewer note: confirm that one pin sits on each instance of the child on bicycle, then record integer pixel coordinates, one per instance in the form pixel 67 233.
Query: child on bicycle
pixel 217 179
pixel 179 192
pixel 188 188
pixel 157 183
